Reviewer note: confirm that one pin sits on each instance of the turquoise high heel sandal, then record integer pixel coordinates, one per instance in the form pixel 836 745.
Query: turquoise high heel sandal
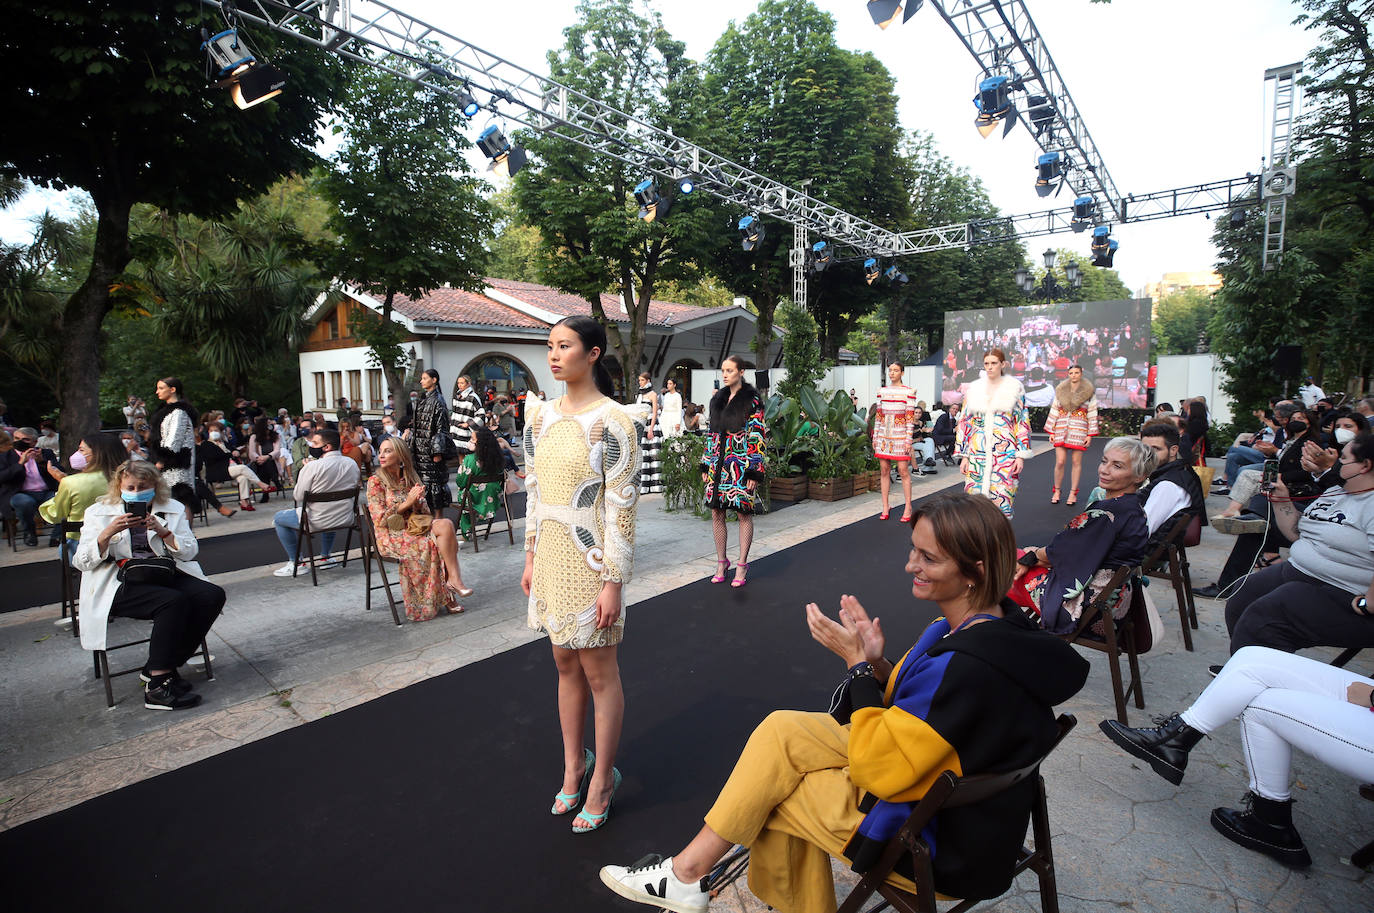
pixel 596 821
pixel 572 800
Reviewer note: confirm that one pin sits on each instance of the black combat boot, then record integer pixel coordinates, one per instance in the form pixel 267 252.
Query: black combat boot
pixel 1265 826
pixel 1166 747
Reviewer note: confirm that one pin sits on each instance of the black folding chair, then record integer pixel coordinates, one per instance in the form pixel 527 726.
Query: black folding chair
pixel 102 664
pixel 465 506
pixel 71 578
pixel 1115 636
pixel 372 553
pixel 1169 561
pixel 307 531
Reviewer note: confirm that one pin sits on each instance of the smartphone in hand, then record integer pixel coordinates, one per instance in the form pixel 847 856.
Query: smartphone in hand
pixel 137 508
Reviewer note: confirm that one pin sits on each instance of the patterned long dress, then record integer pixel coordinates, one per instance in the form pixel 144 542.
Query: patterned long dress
pixel 892 425
pixel 650 446
pixel 422 568
pixel 994 430
pixel 485 497
pixel 582 483
pixel 431 419
pixel 733 457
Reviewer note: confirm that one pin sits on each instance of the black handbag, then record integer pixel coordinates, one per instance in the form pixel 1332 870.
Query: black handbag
pixel 155 571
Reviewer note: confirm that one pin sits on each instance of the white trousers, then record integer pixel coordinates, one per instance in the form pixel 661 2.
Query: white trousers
pixel 244 477
pixel 1286 701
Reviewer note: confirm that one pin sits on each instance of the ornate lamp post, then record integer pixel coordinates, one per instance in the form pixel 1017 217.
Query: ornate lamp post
pixel 1049 288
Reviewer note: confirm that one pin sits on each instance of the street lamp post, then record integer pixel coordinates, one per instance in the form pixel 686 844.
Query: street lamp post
pixel 1049 288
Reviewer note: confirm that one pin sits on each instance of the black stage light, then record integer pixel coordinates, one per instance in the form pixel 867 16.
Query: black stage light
pixel 751 231
pixel 1084 212
pixel 993 102
pixel 652 204
pixel 1050 174
pixel 870 270
pixel 894 275
pixel 884 12
pixel 506 159
pixel 1103 247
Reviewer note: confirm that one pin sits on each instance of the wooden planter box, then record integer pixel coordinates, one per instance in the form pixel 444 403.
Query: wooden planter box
pixel 875 478
pixel 789 488
pixel 860 483
pixel 830 489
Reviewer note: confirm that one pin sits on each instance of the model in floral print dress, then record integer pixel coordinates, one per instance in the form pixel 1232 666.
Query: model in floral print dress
pixel 893 419
pixel 994 434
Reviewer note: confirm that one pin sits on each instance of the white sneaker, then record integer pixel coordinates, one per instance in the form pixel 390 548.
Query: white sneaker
pixel 651 881
pixel 289 569
pixel 326 562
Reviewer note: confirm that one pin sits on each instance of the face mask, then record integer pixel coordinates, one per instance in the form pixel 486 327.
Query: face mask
pixel 317 452
pixel 215 435
pixel 1344 436
pixel 305 432
pixel 145 496
pixel 78 461
pixel 247 428
pixel 1296 428
pixel 389 429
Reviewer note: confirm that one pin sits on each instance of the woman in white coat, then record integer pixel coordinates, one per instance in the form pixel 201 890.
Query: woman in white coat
pixel 137 560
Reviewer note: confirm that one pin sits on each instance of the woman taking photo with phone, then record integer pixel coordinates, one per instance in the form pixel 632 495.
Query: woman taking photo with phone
pixel 582 466
pixel 137 560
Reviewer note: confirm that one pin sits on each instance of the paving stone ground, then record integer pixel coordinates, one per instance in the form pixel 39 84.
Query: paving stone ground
pixel 1124 839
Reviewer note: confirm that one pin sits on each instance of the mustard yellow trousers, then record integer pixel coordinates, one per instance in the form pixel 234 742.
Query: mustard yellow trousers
pixel 790 800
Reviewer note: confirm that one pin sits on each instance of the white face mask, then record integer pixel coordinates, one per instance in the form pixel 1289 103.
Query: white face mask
pixel 389 429
pixel 1344 436
pixel 215 435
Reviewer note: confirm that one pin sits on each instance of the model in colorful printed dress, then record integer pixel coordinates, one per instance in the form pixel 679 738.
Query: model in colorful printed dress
pixel 994 433
pixel 1071 425
pixel 582 483
pixel 732 464
pixel 892 422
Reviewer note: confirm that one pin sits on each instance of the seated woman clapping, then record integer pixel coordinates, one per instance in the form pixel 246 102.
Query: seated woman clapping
pixel 137 558
pixel 973 695
pixel 1054 582
pixel 425 546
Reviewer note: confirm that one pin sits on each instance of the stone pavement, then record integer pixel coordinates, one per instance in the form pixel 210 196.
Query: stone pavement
pixel 287 653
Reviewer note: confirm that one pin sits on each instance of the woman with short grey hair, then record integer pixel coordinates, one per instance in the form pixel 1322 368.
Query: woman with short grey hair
pixel 1055 581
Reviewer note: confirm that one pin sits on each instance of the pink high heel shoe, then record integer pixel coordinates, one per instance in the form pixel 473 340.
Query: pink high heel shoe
pixel 740 581
pixel 721 572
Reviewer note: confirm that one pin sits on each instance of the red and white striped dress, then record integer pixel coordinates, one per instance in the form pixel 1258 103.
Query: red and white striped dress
pixel 892 425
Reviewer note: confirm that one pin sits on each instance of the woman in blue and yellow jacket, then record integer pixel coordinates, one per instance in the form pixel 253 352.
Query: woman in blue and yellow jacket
pixel 974 695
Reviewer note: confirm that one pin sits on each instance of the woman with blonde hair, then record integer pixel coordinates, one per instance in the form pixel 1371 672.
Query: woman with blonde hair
pixel 426 546
pixel 137 560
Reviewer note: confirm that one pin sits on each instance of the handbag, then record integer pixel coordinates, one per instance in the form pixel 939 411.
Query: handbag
pixel 156 571
pixel 511 486
pixel 414 524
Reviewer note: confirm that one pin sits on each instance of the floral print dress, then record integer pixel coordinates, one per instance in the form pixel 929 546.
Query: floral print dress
pixel 422 568
pixel 485 497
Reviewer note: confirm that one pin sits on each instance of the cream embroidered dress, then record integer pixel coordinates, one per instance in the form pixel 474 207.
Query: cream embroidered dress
pixel 582 481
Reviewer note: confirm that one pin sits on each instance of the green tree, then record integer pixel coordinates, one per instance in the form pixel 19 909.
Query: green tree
pixel 788 102
pixel 1180 322
pixel 129 82
pixel 410 216
pixel 1322 288
pixel 581 203
pixel 801 352
pixel 514 248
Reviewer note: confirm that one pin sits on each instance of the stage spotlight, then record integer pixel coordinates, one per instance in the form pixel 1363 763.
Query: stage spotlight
pixel 751 232
pixel 1084 211
pixel 820 256
pixel 1050 169
pixel 993 102
pixel 250 81
pixel 870 270
pixel 1237 218
pixel 652 204
pixel 687 184
pixel 506 160
pixel 1103 247
pixel 884 12
pixel 892 274
pixel 467 103
pixel 1040 112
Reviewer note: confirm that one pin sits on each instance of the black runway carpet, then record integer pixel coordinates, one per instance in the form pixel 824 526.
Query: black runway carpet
pixel 437 796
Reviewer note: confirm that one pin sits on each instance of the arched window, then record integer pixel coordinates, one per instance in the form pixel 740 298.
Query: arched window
pixel 500 371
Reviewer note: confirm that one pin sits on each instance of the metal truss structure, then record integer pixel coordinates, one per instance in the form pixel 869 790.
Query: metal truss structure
pixel 1003 38
pixel 1280 177
pixel 998 33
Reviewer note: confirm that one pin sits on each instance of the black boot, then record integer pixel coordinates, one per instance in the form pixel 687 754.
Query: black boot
pixel 1265 826
pixel 263 498
pixel 1165 747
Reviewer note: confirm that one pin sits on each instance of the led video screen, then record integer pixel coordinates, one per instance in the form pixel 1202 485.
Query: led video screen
pixel 1109 339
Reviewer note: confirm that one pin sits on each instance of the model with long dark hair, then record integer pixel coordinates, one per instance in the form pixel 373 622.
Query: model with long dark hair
pixel 732 464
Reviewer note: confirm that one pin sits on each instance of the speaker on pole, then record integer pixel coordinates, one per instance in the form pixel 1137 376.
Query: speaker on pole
pixel 761 380
pixel 1287 361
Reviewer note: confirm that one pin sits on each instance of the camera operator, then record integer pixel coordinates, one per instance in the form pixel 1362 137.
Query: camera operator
pixel 26 482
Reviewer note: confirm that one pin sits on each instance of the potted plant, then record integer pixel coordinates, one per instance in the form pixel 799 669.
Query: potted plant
pixel 786 447
pixel 829 479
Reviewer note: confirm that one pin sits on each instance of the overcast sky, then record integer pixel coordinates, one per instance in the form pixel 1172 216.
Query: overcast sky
pixel 1172 92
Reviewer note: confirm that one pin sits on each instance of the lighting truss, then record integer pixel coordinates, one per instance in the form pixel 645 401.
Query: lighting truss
pixel 1280 177
pixel 1003 38
pixel 379 35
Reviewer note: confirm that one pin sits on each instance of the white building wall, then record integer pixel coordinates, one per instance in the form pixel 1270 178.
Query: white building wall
pixel 864 380
pixel 1182 376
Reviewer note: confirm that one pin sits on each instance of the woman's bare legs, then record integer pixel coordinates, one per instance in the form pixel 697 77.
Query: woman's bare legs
pixel 885 482
pixel 600 674
pixel 1077 468
pixel 446 538
pixel 904 471
pixel 1059 467
pixel 572 713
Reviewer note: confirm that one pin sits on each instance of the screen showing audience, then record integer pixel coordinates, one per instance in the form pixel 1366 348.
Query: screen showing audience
pixel 1110 339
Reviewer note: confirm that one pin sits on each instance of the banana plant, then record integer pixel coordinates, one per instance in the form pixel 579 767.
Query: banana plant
pixel 843 440
pixel 786 443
